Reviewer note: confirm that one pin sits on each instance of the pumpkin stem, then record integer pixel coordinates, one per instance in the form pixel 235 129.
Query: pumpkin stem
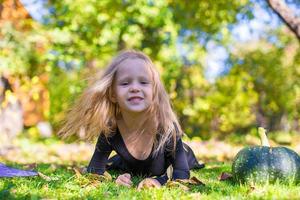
pixel 263 137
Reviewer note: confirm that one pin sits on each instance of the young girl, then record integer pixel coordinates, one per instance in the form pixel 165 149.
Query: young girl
pixel 129 110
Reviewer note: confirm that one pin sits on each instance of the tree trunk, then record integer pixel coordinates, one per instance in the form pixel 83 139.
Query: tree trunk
pixel 287 15
pixel 121 42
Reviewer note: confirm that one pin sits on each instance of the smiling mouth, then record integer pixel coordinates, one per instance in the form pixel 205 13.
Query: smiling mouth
pixel 135 99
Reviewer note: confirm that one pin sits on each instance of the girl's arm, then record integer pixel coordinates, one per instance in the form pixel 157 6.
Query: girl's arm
pixel 99 159
pixel 179 164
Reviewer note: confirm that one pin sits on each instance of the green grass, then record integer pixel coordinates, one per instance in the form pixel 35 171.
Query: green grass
pixel 66 185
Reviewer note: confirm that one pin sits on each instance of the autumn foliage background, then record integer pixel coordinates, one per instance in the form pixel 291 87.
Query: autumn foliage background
pixel 48 64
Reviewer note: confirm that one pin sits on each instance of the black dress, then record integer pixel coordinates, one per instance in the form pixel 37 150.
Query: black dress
pixel 183 160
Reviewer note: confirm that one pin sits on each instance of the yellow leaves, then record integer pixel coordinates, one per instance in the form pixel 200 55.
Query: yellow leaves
pixel 10 98
pixel 189 111
pixel 185 183
pixel 89 9
pixel 192 181
pixel 47 178
pixel 107 176
pixel 176 184
pixel 102 17
pixel 85 179
pixel 35 80
pixel 78 171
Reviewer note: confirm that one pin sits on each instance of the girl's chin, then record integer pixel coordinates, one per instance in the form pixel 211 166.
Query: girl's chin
pixel 136 109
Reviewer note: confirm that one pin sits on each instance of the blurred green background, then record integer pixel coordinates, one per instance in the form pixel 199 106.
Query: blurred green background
pixel 228 66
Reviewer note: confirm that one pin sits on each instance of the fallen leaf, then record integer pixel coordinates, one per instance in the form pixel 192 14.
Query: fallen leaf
pixel 193 181
pixel 91 180
pixel 43 176
pixel 225 176
pixel 77 172
pixel 177 184
pixel 94 183
pixel 30 166
pixel 196 181
pixel 105 177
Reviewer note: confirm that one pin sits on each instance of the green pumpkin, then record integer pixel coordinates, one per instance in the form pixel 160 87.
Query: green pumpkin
pixel 262 164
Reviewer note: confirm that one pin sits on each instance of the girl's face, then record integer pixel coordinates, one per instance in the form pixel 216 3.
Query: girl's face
pixel 133 88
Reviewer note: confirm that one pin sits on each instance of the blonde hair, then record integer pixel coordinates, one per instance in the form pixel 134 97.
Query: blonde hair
pixel 94 113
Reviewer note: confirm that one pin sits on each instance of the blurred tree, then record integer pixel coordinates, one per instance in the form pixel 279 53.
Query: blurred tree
pixel 274 69
pixel 11 121
pixel 14 12
pixel 287 15
pixel 23 44
pixel 83 36
pixel 88 33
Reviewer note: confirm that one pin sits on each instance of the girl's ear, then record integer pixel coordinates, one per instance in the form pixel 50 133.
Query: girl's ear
pixel 112 94
pixel 113 97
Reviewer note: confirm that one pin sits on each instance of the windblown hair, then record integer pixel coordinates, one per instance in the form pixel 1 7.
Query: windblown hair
pixel 95 113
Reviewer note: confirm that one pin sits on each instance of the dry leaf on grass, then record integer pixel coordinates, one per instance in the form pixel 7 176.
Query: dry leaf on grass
pixel 79 171
pixel 87 183
pixel 90 179
pixel 177 184
pixel 192 181
pixel 43 176
pixel 182 183
pixel 94 179
pixel 30 166
pixel 225 176
pixel 105 177
pixel 47 178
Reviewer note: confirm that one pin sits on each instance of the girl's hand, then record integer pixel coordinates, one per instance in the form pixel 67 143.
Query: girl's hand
pixel 148 183
pixel 124 179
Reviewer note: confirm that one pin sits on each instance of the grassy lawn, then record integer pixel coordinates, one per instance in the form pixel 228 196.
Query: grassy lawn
pixel 64 183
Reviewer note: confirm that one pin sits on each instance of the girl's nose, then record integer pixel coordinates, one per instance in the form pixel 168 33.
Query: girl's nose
pixel 134 88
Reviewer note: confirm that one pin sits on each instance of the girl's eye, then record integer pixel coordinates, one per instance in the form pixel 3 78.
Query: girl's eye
pixel 124 83
pixel 144 82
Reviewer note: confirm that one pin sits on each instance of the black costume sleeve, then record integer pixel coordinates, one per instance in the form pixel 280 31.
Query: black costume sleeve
pixel 100 156
pixel 179 164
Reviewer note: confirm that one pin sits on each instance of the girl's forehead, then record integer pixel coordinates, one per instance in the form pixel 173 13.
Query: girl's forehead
pixel 133 66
